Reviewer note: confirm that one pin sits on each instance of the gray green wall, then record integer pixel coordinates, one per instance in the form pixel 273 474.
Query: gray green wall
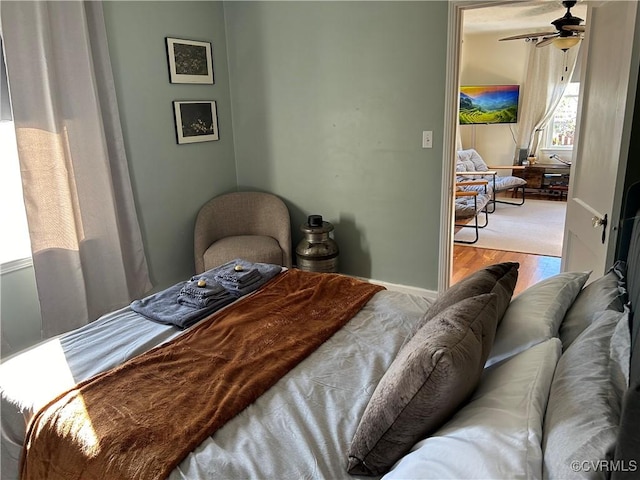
pixel 170 181
pixel 19 310
pixel 329 103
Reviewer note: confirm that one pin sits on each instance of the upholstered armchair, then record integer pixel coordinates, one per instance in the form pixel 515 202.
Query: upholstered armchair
pixel 254 226
pixel 471 166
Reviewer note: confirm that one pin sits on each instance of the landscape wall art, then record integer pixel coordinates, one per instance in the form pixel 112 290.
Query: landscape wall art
pixel 489 104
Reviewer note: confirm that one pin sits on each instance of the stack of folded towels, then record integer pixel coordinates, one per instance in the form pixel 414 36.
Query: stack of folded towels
pixel 200 293
pixel 189 301
pixel 238 280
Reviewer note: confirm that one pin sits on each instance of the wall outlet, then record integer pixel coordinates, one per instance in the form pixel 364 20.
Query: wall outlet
pixel 427 139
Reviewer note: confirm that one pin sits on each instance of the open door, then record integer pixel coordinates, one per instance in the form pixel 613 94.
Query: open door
pixel 608 89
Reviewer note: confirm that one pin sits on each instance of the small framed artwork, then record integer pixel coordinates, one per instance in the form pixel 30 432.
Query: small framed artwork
pixel 189 61
pixel 196 121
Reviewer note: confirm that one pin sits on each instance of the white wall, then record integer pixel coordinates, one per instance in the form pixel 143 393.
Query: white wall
pixel 486 61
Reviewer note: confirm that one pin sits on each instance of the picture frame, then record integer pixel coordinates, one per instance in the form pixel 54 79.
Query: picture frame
pixel 196 121
pixel 190 61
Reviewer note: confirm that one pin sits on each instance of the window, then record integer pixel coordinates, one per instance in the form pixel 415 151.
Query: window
pixel 15 245
pixel 14 242
pixel 562 127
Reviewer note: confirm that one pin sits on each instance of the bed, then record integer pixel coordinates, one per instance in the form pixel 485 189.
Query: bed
pixel 473 384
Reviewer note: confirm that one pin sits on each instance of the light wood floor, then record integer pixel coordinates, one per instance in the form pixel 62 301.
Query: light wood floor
pixel 533 268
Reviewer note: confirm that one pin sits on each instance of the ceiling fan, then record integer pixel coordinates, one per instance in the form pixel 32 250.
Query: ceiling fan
pixel 567 34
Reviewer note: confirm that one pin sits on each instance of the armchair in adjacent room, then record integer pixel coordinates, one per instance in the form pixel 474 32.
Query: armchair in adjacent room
pixel 254 226
pixel 471 166
pixel 471 200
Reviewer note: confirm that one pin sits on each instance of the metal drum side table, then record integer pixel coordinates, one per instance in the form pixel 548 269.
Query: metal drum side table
pixel 317 251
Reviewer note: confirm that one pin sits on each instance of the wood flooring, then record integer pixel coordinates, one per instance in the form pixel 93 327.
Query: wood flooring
pixel 533 268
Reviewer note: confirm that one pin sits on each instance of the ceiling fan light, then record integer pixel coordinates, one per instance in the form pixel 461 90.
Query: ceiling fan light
pixel 565 43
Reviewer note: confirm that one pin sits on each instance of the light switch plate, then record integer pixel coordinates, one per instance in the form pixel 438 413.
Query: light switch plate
pixel 427 139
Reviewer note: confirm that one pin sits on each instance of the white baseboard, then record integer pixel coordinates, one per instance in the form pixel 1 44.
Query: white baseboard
pixel 422 292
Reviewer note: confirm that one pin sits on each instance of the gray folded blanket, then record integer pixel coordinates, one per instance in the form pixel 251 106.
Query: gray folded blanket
pixel 182 306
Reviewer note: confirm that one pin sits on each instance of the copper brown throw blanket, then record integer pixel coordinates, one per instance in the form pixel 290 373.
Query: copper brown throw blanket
pixel 139 420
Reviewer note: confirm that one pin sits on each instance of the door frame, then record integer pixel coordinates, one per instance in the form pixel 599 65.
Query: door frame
pixel 454 41
pixel 451 106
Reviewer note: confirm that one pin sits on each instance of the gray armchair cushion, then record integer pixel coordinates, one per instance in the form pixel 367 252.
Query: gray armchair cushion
pixel 253 248
pixel 466 207
pixel 482 189
pixel 471 161
pixel 508 181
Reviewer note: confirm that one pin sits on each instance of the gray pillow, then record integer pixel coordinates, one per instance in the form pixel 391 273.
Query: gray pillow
pixel 431 376
pixel 536 314
pixel 583 413
pixel 500 279
pixel 605 293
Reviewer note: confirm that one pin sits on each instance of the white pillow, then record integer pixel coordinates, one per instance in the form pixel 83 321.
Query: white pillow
pixel 498 434
pixel 536 314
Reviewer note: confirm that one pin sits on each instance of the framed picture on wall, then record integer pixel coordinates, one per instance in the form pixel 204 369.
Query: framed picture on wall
pixel 196 121
pixel 189 61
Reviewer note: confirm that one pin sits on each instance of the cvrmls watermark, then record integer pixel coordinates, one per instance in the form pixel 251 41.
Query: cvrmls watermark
pixel 604 466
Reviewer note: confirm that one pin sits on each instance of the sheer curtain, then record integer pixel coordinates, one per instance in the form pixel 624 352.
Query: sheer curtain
pixel 85 238
pixel 549 71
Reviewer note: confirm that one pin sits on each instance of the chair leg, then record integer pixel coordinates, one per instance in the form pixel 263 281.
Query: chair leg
pixel 485 210
pixel 509 203
pixel 476 226
pixel 492 202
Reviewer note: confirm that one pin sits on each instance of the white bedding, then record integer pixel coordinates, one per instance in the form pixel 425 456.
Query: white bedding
pixel 300 428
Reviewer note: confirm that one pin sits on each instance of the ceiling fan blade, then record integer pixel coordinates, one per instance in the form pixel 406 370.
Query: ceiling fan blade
pixel 546 41
pixel 574 28
pixel 528 35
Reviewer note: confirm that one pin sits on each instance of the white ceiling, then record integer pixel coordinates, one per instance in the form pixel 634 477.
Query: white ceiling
pixel 524 17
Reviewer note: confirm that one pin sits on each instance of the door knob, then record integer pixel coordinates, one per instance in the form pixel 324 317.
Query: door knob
pixel 600 222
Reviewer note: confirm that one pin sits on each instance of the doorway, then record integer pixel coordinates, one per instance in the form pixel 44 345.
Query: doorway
pixel 498 142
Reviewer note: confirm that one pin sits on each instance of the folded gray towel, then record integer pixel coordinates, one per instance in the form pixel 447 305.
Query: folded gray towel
pixel 201 293
pixel 170 307
pixel 253 275
pixel 244 277
pixel 164 307
pixel 208 289
pixel 203 302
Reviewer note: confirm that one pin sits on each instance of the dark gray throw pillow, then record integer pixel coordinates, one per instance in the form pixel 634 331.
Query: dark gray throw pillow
pixel 431 376
pixel 499 278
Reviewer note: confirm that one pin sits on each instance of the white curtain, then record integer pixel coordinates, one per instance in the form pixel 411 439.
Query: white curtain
pixel 549 71
pixel 85 238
